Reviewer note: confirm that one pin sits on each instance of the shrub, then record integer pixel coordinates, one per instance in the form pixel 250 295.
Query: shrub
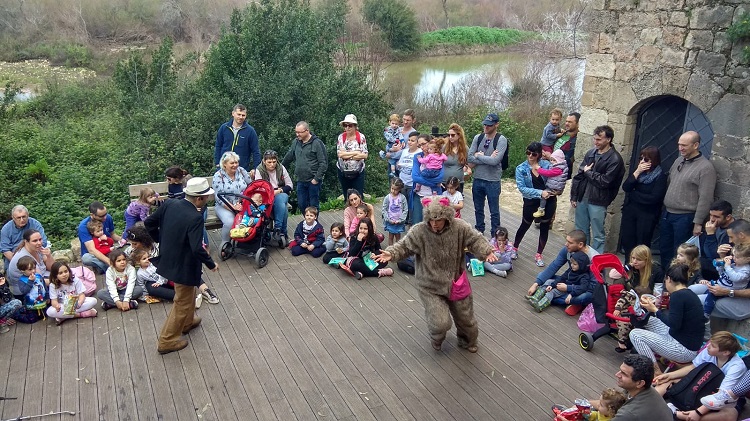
pixel 472 35
pixel 397 23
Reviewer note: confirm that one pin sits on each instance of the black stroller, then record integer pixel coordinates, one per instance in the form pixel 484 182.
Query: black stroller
pixel 605 298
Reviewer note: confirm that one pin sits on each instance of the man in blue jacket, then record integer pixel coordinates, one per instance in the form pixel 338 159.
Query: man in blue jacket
pixel 239 137
pixel 574 241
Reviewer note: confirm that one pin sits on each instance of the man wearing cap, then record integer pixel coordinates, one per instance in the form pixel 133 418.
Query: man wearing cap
pixel 485 157
pixel 178 226
pixel 239 137
pixel 310 162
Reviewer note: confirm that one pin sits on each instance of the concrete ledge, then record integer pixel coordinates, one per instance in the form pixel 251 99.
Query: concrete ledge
pixel 740 327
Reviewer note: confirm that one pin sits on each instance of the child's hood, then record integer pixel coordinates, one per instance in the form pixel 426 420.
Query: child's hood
pixel 582 259
pixel 559 155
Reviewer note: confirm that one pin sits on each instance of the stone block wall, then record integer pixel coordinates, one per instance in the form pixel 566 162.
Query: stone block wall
pixel 642 49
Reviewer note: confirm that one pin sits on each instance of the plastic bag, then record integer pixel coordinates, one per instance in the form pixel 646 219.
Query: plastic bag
pixel 477 267
pixel 696 241
pixel 587 320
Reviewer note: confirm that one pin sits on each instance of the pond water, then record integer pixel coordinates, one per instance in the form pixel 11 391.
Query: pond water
pixel 424 78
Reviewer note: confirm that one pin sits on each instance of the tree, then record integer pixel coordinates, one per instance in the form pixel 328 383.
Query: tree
pixel 397 21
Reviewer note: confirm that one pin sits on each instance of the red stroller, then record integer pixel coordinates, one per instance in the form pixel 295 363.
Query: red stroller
pixel 259 234
pixel 605 298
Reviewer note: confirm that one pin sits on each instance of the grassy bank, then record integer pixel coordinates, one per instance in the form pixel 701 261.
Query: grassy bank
pixel 474 36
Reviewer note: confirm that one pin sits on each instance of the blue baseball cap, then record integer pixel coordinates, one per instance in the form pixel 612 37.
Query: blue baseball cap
pixel 491 119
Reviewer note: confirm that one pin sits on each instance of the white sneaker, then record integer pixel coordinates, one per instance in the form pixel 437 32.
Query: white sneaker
pixel 198 300
pixel 718 400
pixel 672 408
pixel 501 273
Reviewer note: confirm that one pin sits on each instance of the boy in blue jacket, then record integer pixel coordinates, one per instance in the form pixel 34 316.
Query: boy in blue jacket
pixel 574 287
pixel 309 235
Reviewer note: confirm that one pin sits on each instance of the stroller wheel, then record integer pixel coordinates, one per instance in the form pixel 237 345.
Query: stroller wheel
pixel 261 257
pixel 586 341
pixel 227 251
pixel 283 241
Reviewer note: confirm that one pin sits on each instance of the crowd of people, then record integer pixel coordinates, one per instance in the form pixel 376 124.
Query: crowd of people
pixel 704 267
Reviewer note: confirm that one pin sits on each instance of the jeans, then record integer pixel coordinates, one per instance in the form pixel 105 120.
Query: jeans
pixel 10 309
pixel 103 295
pixel 227 221
pixel 205 232
pixel 490 190
pixel 357 183
pixel 674 230
pixel 592 216
pixel 417 214
pixel 308 194
pixel 280 213
pixel 89 259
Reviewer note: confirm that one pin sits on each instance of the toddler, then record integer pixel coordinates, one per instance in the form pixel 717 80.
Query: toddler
pixel 309 235
pixel 609 403
pixel 455 196
pixel 362 211
pixel 689 255
pixel 569 289
pixel 67 295
pixel 628 304
pixel 431 163
pixel 121 290
pixel 31 284
pixel 734 273
pixel 9 305
pixel 250 218
pixel 177 179
pixel 503 250
pixel 552 130
pixel 336 243
pixel 392 134
pixel 101 242
pixel 395 210
pixel 556 175
pixel 139 209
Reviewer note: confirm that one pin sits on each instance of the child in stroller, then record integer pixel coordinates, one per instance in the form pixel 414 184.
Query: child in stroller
pixel 628 305
pixel 250 217
pixel 253 224
pixel 604 300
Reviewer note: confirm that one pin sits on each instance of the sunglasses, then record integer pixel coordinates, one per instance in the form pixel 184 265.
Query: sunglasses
pixel 347 125
pixel 487 143
pixel 529 153
pixel 269 154
pixel 452 134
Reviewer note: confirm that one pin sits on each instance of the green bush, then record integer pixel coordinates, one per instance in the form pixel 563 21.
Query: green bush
pixel 397 22
pixel 739 31
pixel 475 35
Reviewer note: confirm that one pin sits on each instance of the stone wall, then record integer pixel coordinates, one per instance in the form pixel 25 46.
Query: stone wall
pixel 645 48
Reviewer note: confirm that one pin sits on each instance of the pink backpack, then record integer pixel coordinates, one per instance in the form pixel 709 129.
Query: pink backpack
pixel 87 277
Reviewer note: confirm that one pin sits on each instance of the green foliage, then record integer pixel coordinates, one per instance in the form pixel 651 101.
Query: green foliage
pixel 332 204
pixel 740 31
pixel 8 100
pixel 38 171
pixel 396 21
pixel 59 53
pixel 473 35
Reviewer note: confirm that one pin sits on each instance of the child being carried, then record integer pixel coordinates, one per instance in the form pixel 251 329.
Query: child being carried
pixel 431 163
pixel 557 175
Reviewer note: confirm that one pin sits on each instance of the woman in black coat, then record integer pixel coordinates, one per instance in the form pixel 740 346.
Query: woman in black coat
pixel 644 196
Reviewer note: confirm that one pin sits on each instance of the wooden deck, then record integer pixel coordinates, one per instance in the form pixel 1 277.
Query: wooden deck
pixel 300 340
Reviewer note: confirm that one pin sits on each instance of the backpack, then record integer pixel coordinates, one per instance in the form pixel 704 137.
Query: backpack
pixel 504 160
pixel 406 265
pixel 36 298
pixel 87 277
pixel 699 382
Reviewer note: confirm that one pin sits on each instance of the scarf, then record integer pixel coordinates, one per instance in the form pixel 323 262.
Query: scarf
pixel 649 177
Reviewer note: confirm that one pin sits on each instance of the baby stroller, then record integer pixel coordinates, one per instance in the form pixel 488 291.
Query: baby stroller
pixel 258 235
pixel 605 298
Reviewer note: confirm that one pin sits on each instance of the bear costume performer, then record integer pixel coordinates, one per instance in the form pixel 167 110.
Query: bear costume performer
pixel 438 245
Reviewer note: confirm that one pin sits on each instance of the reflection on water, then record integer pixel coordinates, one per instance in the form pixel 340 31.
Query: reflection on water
pixel 418 80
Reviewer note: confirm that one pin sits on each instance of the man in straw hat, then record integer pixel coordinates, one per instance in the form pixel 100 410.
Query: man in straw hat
pixel 178 226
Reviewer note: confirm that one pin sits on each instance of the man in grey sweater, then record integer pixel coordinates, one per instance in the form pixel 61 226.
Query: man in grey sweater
pixel 485 157
pixel 310 162
pixel 692 180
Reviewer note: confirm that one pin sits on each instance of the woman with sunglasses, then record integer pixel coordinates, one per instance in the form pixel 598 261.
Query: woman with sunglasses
pixel 532 187
pixel 644 196
pixel 351 149
pixel 457 152
pixel 272 171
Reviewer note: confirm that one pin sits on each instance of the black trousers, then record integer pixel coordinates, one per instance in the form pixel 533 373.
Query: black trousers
pixel 637 226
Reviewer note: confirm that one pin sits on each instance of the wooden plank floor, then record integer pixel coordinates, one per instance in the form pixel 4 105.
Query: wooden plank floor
pixel 300 340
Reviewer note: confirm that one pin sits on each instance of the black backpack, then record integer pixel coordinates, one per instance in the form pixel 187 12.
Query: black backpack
pixel 699 382
pixel 504 161
pixel 406 265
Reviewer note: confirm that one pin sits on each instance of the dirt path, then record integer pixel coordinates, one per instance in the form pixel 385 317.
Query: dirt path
pixel 511 201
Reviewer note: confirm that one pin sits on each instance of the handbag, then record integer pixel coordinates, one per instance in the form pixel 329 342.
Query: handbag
pixel 461 288
pixel 587 320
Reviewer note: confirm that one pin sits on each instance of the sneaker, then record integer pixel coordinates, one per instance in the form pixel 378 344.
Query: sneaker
pixel 210 296
pixel 718 400
pixel 573 309
pixel 133 304
pixel 514 254
pixel 4 329
pixel 539 213
pixel 672 408
pixel 358 275
pixel 385 272
pixel 88 313
pixel 538 260
pixel 198 300
pixel 537 295
pixel 391 175
pixel 106 306
pixel 500 273
pixel 381 154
